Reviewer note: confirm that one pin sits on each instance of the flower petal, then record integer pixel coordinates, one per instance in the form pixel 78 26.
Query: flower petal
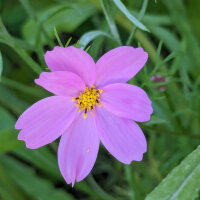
pixel 119 65
pixel 61 83
pixel 78 149
pixel 128 101
pixel 73 60
pixel 123 138
pixel 45 121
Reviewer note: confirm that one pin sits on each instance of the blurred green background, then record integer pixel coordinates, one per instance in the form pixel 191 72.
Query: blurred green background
pixel 173 39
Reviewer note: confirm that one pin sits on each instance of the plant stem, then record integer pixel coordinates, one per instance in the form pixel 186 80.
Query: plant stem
pixel 130 180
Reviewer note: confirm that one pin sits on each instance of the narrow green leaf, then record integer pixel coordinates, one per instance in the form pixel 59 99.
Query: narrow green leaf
pixel 134 20
pixel 8 190
pixel 7 121
pixel 23 88
pixel 34 186
pixel 77 44
pixel 11 101
pixel 170 40
pixel 91 35
pixel 182 182
pixel 88 48
pixel 68 42
pixel 1 65
pixel 15 45
pixel 110 20
pixel 57 36
pixel 41 158
pixel 155 120
pixel 159 50
pixel 141 15
pixel 157 58
pixel 73 13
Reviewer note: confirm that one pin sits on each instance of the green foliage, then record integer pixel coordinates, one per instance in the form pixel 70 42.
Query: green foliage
pixel 27 30
pixel 90 36
pixel 124 10
pixel 1 65
pixel 182 182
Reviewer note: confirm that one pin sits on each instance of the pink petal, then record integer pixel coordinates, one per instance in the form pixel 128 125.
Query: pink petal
pixel 123 138
pixel 45 121
pixel 78 149
pixel 119 65
pixel 61 83
pixel 73 60
pixel 128 101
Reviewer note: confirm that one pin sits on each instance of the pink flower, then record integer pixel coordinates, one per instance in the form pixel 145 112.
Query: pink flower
pixel 93 103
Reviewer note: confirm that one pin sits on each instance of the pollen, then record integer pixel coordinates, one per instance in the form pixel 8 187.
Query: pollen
pixel 88 100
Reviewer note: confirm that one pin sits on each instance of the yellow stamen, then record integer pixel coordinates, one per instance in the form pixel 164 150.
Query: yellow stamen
pixel 88 150
pixel 88 100
pixel 84 115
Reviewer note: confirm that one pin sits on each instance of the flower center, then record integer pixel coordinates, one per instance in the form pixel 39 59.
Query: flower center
pixel 88 100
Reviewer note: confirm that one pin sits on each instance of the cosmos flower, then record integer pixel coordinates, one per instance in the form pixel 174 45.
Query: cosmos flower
pixel 92 103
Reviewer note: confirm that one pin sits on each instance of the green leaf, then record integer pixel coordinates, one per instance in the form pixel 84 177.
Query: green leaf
pixel 8 136
pixel 1 65
pixel 141 14
pixel 68 42
pixel 42 158
pixel 65 17
pixel 169 39
pixel 155 120
pixel 8 140
pixel 57 36
pixel 11 101
pixel 28 8
pixel 5 38
pixel 26 89
pixel 7 121
pixel 110 20
pixel 182 182
pixel 134 20
pixel 91 35
pixel 8 190
pixel 26 179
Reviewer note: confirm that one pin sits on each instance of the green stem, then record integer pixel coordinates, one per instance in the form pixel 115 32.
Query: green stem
pixel 130 180
pixel 153 164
